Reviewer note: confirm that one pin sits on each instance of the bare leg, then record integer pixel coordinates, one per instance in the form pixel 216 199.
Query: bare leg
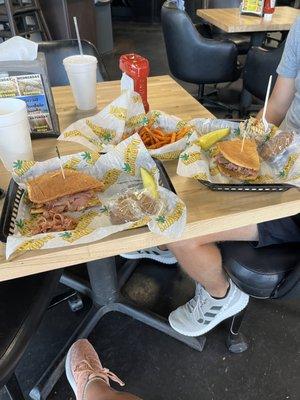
pixel 99 390
pixel 201 258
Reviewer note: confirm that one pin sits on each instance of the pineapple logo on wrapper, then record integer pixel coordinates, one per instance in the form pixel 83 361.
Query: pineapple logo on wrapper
pixel 72 163
pixel 82 229
pixel 288 166
pixel 20 167
pixel 110 177
pixel 188 159
pixel 118 112
pixel 130 157
pixel 105 134
pixel 35 244
pixel 164 222
pixel 90 157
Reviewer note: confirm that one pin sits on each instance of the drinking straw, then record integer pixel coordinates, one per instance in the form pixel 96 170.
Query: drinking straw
pixel 60 162
pixel 78 36
pixel 266 103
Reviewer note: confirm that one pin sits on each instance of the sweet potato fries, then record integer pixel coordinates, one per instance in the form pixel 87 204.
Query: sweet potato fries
pixel 155 138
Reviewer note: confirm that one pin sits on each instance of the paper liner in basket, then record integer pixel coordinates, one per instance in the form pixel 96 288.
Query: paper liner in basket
pixel 105 130
pixel 119 169
pixel 168 123
pixel 198 164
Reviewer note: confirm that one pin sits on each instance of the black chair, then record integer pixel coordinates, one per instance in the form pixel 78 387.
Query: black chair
pixel 56 50
pixel 23 303
pixel 243 41
pixel 267 273
pixel 260 64
pixel 194 58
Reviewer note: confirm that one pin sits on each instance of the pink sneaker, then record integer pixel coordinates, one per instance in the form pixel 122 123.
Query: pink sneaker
pixel 83 366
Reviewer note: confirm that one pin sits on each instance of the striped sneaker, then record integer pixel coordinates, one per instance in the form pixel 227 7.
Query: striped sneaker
pixel 202 313
pixel 154 253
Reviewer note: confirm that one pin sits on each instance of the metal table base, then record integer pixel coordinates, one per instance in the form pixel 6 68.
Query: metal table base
pixel 104 290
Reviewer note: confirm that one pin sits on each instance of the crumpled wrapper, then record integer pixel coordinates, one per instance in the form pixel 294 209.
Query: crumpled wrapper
pixel 119 169
pixel 199 164
pixel 120 119
pixel 103 131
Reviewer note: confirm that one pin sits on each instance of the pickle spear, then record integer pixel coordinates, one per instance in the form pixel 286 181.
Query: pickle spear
pixel 149 182
pixel 208 140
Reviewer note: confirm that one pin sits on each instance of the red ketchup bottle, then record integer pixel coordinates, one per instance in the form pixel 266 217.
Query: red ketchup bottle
pixel 137 68
pixel 269 8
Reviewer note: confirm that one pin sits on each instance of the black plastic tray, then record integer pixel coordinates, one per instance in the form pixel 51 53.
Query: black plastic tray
pixel 227 187
pixel 14 194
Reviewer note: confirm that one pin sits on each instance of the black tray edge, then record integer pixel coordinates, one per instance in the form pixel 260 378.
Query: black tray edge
pixel 261 187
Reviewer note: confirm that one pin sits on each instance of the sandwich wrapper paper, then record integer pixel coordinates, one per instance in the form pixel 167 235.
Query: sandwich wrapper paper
pixel 120 119
pixel 119 169
pixel 199 164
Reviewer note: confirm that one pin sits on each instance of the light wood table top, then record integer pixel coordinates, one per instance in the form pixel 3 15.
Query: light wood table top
pixel 208 212
pixel 231 21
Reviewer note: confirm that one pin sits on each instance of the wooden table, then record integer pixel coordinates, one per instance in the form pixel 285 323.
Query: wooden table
pixel 231 21
pixel 208 212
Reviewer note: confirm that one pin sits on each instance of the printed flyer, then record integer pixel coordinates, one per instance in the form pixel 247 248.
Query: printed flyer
pixel 30 89
pixel 254 7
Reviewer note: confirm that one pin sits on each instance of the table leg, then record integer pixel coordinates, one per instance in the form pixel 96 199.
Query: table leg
pixel 245 102
pixel 257 38
pixel 105 293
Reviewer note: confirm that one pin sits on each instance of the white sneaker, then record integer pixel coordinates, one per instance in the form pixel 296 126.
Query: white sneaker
pixel 154 253
pixel 202 313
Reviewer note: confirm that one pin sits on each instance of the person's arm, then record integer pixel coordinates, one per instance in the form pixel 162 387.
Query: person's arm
pixel 280 100
pixel 284 90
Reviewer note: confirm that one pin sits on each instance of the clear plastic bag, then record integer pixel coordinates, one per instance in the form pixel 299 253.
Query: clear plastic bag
pixel 277 150
pixel 132 206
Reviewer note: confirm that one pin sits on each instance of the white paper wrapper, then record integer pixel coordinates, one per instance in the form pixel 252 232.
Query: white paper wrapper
pixel 198 164
pixel 120 119
pixel 103 131
pixel 119 169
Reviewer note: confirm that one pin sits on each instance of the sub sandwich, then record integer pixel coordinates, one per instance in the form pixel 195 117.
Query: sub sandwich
pixel 51 196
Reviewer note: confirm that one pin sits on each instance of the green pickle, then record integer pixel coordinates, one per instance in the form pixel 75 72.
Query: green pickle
pixel 208 140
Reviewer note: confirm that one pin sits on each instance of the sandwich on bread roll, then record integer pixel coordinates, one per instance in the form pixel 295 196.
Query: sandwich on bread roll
pixel 231 161
pixel 51 196
pixel 51 192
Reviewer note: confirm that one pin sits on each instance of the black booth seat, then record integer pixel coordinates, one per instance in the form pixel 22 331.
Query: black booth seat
pixel 258 271
pixel 23 303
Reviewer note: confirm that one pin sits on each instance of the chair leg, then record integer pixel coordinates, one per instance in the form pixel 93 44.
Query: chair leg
pixel 13 389
pixel 236 341
pixel 245 102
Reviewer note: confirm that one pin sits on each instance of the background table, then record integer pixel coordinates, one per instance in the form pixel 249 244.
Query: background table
pixel 231 21
pixel 208 212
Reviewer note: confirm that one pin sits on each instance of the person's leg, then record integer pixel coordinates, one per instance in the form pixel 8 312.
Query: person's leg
pixel 98 390
pixel 216 297
pixel 88 379
pixel 201 258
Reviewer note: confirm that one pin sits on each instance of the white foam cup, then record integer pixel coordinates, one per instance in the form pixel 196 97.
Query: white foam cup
pixel 81 71
pixel 15 141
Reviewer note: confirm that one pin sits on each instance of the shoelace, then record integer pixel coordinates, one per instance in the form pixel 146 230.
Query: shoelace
pixel 196 303
pixel 104 373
